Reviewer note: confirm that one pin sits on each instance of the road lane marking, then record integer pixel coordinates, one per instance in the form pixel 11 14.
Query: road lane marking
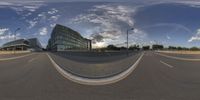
pixel 170 66
pixel 12 58
pixel 177 58
pixel 101 81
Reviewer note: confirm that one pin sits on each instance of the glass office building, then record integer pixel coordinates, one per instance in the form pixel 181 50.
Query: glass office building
pixel 22 44
pixel 34 44
pixel 64 39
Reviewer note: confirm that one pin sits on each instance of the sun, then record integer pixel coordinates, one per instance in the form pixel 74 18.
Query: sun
pixel 99 44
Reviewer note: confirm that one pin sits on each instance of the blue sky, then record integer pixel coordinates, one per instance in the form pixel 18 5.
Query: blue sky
pixel 168 22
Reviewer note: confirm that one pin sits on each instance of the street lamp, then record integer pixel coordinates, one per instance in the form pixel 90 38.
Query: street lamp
pixel 127 39
pixel 15 37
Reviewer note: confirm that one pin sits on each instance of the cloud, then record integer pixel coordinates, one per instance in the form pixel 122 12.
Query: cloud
pixel 43 18
pixel 3 30
pixel 97 38
pixel 196 37
pixel 5 34
pixel 52 25
pixel 22 6
pixel 168 37
pixel 109 22
pixel 31 8
pixel 52 11
pixel 173 25
pixel 8 36
pixel 4 3
pixel 43 31
pixel 32 23
pixel 54 18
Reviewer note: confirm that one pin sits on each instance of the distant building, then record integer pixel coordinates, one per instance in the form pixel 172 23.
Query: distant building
pixel 34 44
pixel 64 38
pixel 22 44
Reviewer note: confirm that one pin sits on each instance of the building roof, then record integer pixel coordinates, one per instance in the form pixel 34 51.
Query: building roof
pixel 58 26
pixel 16 42
pixel 32 43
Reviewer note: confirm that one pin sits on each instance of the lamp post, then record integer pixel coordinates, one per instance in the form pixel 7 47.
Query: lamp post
pixel 15 38
pixel 127 39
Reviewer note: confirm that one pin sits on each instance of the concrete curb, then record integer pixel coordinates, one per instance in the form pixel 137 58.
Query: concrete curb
pixel 177 58
pixel 12 58
pixel 99 81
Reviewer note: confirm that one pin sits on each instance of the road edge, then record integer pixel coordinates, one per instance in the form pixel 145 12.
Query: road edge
pixel 12 58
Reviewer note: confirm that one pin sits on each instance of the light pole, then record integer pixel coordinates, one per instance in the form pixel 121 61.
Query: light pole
pixel 127 39
pixel 15 38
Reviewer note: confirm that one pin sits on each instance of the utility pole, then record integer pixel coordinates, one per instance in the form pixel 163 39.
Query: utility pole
pixel 127 51
pixel 15 34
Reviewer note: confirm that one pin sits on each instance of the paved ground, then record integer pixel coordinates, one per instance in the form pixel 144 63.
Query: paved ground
pixel 90 67
pixel 188 56
pixel 155 78
pixel 95 57
pixel 2 56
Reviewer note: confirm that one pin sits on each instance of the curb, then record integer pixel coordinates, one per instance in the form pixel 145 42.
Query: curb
pixel 98 81
pixel 12 58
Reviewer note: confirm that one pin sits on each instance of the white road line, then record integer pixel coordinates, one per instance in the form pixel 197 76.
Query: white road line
pixel 170 66
pixel 12 58
pixel 101 81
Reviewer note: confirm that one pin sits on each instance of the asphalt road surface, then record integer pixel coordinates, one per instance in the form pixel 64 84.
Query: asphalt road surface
pixel 155 78
pixel 95 68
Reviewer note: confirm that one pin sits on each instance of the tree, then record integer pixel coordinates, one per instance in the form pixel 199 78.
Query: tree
pixel 157 47
pixel 172 48
pixel 146 47
pixel 194 49
pixel 134 47
pixel 112 47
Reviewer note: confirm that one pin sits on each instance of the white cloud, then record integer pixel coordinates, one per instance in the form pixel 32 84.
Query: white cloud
pixel 31 8
pixel 54 18
pixel 41 14
pixel 8 36
pixel 28 14
pixel 32 23
pixel 168 37
pixel 3 30
pixel 52 25
pixel 52 11
pixel 43 31
pixel 20 6
pixel 5 34
pixel 44 17
pixel 109 21
pixel 3 3
pixel 196 37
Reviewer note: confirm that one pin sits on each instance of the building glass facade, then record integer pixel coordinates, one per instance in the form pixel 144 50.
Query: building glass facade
pixel 22 44
pixel 64 38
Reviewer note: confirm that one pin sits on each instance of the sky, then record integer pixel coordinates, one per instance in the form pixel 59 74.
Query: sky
pixel 166 22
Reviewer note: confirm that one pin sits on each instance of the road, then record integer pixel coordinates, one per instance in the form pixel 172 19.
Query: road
pixel 155 78
pixel 92 68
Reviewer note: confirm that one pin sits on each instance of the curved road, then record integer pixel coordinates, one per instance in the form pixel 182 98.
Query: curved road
pixel 155 78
